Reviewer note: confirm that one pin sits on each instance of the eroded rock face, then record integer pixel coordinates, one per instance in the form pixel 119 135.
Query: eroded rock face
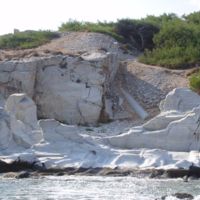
pixel 6 133
pixel 56 145
pixel 19 122
pixel 180 99
pixel 23 108
pixel 17 76
pixel 70 89
pixel 176 128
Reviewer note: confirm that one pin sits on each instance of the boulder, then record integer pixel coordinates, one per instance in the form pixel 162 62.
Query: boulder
pixel 23 108
pixel 18 125
pixel 180 99
pixel 23 120
pixel 72 89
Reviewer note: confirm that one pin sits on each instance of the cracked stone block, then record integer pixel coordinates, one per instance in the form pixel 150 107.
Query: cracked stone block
pixel 67 88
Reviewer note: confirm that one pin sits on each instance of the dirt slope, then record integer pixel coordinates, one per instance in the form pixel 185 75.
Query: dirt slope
pixel 75 43
pixel 147 84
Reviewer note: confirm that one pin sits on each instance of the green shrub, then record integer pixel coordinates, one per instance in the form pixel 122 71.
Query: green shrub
pixel 194 81
pixel 175 57
pixel 72 26
pixel 99 27
pixel 159 21
pixel 26 39
pixel 137 34
pixel 193 18
pixel 177 45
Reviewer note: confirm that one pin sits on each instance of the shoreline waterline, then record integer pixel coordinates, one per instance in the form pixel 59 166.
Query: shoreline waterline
pixel 32 170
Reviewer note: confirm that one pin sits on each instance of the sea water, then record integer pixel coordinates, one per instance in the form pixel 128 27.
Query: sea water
pixel 94 187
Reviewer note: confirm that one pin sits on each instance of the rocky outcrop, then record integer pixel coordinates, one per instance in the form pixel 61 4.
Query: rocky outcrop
pixel 19 128
pixel 6 133
pixel 71 89
pixel 17 76
pixel 23 120
pixel 54 145
pixel 176 128
pixel 180 100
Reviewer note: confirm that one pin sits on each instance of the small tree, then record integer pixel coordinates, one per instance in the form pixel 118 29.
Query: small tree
pixel 139 34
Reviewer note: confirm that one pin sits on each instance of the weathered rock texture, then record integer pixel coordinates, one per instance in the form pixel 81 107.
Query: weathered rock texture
pixel 17 76
pixel 71 89
pixel 55 145
pixel 176 128
pixel 18 124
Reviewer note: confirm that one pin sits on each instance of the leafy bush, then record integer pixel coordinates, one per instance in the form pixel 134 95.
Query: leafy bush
pixel 159 21
pixel 138 34
pixel 176 57
pixel 193 18
pixel 194 81
pixel 177 45
pixel 26 39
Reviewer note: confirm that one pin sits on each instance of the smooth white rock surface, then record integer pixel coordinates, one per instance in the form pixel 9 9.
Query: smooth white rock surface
pixel 176 129
pixel 180 99
pixel 170 140
pixel 23 123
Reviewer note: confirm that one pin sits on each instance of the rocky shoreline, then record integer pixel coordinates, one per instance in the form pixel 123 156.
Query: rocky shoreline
pixel 22 169
pixel 53 109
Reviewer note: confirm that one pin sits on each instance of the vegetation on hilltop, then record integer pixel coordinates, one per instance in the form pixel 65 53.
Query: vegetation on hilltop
pixel 167 40
pixel 177 44
pixel 135 33
pixel 26 39
pixel 100 27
